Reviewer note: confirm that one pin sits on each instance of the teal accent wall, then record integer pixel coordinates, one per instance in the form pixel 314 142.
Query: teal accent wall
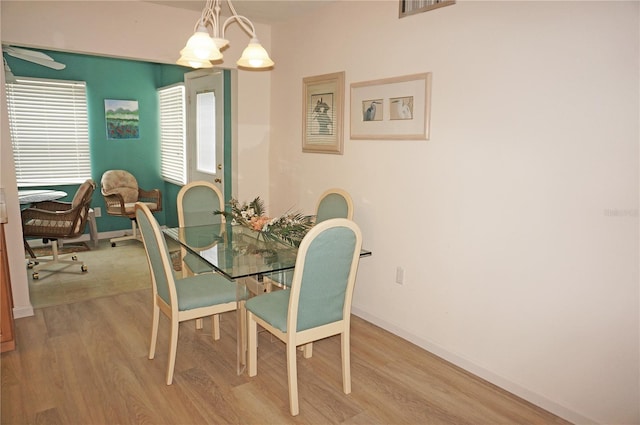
pixel 109 78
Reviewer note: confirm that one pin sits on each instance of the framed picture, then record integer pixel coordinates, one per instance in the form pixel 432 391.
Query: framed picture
pixel 411 7
pixel 322 113
pixel 391 108
pixel 123 119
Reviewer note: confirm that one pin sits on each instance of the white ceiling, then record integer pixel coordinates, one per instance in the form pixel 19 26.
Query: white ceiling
pixel 264 11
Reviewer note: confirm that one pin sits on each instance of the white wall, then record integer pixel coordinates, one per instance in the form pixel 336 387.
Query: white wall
pixel 517 222
pixel 131 30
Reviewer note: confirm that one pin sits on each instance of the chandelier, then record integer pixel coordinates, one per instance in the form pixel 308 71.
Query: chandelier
pixel 203 48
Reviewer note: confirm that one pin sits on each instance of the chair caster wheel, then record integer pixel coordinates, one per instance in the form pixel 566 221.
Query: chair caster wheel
pixel 74 258
pixel 83 268
pixel 35 276
pixel 31 265
pixel 113 244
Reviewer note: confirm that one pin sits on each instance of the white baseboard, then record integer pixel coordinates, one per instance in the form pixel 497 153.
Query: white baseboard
pixel 479 371
pixel 19 312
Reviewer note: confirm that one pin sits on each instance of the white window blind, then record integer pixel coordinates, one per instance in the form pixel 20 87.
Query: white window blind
pixel 173 133
pixel 49 131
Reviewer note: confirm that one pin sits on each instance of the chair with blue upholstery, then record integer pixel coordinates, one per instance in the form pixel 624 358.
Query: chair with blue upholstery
pixel 318 304
pixel 184 299
pixel 334 203
pixel 197 202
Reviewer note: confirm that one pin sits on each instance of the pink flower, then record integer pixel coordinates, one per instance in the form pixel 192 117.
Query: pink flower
pixel 257 223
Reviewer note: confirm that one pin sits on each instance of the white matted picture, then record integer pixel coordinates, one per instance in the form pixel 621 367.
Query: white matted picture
pixel 322 112
pixel 391 108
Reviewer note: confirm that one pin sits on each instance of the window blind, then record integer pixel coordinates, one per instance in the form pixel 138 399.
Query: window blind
pixel 173 133
pixel 49 131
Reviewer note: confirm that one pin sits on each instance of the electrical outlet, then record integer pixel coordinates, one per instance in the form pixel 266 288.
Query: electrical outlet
pixel 399 275
pixel 97 211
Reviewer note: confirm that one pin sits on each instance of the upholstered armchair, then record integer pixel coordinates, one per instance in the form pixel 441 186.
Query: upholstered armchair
pixel 121 192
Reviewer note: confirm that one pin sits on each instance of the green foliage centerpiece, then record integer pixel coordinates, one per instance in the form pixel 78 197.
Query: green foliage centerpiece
pixel 289 227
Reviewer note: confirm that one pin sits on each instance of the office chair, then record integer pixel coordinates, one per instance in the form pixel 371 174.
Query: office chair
pixel 53 220
pixel 121 192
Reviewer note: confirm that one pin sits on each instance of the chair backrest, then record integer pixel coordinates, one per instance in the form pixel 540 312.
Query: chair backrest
pixel 197 202
pixel 84 193
pixel 120 182
pixel 325 273
pixel 82 201
pixel 334 203
pixel 158 256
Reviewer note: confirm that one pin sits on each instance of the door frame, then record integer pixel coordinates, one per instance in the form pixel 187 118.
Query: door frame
pixel 230 123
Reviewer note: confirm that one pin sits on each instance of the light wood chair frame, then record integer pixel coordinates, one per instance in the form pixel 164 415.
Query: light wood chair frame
pixel 182 223
pixel 341 192
pixel 293 339
pixel 171 309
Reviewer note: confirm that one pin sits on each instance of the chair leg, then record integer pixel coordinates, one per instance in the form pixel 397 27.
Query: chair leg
pixel 36 265
pixel 252 345
pixel 346 361
pixel 154 330
pixel 307 350
pixel 215 322
pixel 292 373
pixel 133 236
pixel 173 347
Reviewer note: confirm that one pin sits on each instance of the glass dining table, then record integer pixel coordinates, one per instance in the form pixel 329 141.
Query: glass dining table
pixel 242 255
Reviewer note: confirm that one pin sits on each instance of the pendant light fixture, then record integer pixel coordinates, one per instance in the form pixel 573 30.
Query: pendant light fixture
pixel 203 48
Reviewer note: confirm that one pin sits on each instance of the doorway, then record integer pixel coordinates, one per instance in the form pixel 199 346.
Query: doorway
pixel 205 127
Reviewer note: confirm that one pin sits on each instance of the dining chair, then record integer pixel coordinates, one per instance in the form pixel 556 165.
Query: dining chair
pixel 197 202
pixel 121 192
pixel 318 304
pixel 184 299
pixel 334 203
pixel 54 220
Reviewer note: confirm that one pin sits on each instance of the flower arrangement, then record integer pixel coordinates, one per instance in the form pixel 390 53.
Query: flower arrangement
pixel 290 227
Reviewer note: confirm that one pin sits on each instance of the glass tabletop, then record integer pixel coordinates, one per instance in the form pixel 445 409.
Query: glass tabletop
pixel 235 251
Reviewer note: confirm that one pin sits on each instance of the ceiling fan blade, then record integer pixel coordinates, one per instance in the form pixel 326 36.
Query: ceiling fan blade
pixel 27 52
pixel 50 63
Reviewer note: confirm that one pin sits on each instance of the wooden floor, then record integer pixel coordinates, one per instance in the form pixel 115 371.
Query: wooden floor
pixel 86 362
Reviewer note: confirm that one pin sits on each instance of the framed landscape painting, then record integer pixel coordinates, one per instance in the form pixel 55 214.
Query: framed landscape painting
pixel 123 119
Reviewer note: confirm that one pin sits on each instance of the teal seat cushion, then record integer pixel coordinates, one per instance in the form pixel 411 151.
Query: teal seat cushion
pixel 204 290
pixel 272 308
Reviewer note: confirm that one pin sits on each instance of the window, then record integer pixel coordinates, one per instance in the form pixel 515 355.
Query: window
pixel 49 131
pixel 172 133
pixel 411 7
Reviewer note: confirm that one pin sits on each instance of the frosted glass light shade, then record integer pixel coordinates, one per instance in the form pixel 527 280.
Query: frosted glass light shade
pixel 255 56
pixel 193 62
pixel 200 45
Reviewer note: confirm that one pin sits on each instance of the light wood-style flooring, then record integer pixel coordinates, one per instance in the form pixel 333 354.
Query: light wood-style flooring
pixel 85 362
